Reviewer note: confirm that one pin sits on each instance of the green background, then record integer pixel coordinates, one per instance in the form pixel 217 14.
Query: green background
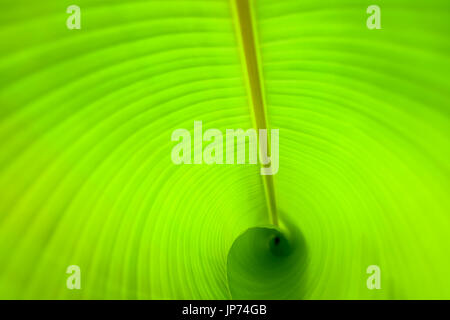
pixel 86 176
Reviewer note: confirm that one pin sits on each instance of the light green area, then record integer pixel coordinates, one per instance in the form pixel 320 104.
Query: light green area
pixel 86 176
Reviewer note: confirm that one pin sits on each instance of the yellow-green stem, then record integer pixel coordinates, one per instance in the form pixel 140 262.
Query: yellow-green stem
pixel 250 56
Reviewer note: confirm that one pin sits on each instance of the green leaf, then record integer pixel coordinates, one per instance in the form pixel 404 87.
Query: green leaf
pixel 86 176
